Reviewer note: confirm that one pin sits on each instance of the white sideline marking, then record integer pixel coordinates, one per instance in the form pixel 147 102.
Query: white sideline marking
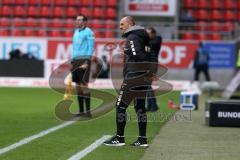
pixel 33 137
pixel 90 148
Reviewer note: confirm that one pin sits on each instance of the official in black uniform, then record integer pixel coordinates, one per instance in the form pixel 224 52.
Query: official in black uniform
pixel 135 85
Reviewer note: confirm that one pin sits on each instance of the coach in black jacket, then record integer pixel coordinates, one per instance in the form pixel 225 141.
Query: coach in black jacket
pixel 137 52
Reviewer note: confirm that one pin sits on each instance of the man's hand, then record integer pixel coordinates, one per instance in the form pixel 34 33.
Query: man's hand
pixel 155 77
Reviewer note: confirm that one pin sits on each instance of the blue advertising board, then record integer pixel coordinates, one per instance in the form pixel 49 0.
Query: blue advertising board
pixel 222 55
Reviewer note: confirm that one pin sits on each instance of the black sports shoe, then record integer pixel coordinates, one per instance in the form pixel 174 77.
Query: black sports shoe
pixel 115 141
pixel 79 114
pixel 140 142
pixel 87 115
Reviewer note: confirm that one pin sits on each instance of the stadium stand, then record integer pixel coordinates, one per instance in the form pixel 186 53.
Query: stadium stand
pixel 56 17
pixel 216 19
pixel 207 17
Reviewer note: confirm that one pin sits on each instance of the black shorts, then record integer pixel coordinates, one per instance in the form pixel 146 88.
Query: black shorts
pixel 80 75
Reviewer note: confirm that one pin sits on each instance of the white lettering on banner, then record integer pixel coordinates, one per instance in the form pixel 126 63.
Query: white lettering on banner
pixel 175 55
pixel 228 114
pixel 151 7
pixel 62 52
pixel 180 53
pixel 35 46
pixel 169 57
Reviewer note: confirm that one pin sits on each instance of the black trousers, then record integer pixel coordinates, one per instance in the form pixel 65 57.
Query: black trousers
pixel 200 69
pixel 128 93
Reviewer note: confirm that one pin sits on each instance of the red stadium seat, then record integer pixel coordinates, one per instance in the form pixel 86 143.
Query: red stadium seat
pixel 238 15
pixel 98 3
pixel 55 33
pixel 31 22
pixel 215 15
pixel 18 22
pixel 111 13
pixel 16 32
pixel 215 36
pixel 29 33
pixel 45 12
pixel 228 26
pixel 6 11
pixel 85 2
pixel 46 2
pixel 187 36
pixel 19 11
pixel 32 2
pixel 228 4
pixel 5 22
pixel 72 2
pixel 68 33
pixel 71 12
pixel 110 24
pixel 202 14
pixel 58 12
pixel 189 3
pixel 109 34
pixel 69 23
pixel 41 33
pixel 215 26
pixel 202 4
pixel 4 2
pixel 3 33
pixel 98 34
pixel 20 2
pixel 85 11
pixel 33 11
pixel 59 2
pixel 98 13
pixel 200 36
pixel 229 15
pixel 238 5
pixel 111 3
pixel 215 4
pixel 201 26
pixel 97 24
pixel 43 22
pixel 56 23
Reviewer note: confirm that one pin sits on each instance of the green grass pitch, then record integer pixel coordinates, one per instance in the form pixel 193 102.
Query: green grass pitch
pixel 28 111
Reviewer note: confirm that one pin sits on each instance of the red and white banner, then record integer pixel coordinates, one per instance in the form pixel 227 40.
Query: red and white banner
pixel 151 7
pixel 56 52
pixel 177 54
pixel 172 54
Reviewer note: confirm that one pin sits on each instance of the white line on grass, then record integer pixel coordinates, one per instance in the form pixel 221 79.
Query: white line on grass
pixel 90 148
pixel 33 137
